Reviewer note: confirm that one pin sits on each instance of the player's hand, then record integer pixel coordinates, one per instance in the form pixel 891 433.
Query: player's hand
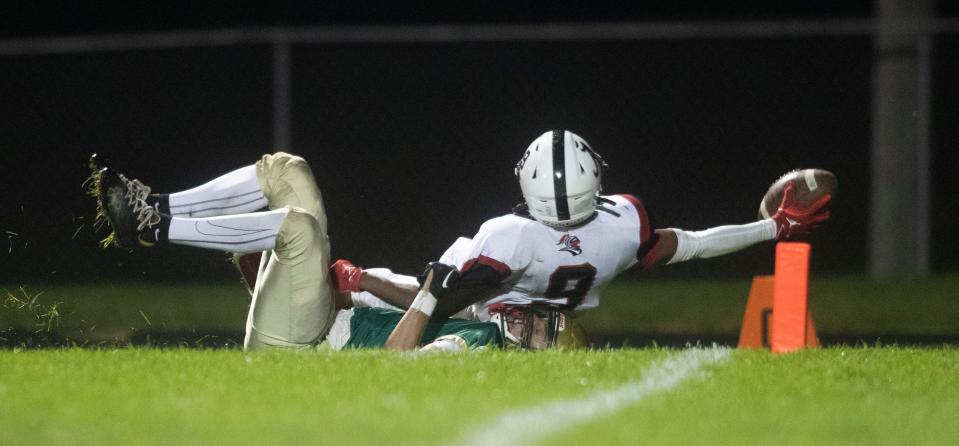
pixel 794 219
pixel 445 279
pixel 345 276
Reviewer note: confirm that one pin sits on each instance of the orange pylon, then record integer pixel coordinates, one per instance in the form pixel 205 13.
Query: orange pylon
pixel 777 314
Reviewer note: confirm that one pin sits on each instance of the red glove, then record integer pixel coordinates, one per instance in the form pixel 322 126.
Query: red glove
pixel 794 219
pixel 345 276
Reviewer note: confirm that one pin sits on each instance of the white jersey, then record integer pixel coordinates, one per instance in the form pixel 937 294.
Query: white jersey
pixel 566 267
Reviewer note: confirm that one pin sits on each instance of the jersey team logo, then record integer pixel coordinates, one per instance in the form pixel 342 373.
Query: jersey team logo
pixel 570 244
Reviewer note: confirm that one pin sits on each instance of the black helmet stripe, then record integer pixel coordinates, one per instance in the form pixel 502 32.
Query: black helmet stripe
pixel 559 174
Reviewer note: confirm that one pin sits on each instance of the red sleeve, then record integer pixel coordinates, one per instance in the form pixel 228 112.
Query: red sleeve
pixel 648 250
pixel 482 271
pixel 644 230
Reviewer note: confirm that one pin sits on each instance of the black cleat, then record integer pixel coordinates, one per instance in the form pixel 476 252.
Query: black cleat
pixel 121 204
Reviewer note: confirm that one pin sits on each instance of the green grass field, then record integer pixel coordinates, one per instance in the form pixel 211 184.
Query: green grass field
pixel 136 395
pixel 651 396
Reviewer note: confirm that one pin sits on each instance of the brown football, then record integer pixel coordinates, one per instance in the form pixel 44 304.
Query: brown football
pixel 811 184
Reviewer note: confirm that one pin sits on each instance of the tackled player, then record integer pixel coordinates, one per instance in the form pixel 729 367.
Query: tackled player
pixel 293 302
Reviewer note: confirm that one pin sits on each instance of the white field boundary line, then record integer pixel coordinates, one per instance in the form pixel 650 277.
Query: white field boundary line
pixel 529 425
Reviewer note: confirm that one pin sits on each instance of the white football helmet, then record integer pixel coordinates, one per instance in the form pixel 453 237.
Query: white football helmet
pixel 561 178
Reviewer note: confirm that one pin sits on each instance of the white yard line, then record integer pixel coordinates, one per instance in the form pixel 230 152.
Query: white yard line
pixel 529 425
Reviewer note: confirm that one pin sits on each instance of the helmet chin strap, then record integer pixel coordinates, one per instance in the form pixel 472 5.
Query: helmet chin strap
pixel 559 226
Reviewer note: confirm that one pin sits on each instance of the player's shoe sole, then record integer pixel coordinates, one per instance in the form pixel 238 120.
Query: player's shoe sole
pixel 121 206
pixel 113 209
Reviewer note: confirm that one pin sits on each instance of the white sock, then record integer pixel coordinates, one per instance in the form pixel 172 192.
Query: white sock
pixel 237 192
pixel 240 233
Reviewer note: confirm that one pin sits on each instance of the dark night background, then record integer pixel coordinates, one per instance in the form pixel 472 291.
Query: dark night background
pixel 414 144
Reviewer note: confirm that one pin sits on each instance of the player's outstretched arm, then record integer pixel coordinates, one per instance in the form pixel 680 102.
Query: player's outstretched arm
pixel 793 219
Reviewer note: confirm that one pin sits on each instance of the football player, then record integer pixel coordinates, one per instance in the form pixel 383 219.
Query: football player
pixel 293 302
pixel 531 270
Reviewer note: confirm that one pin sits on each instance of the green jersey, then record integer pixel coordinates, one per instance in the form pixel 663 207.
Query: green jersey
pixel 370 327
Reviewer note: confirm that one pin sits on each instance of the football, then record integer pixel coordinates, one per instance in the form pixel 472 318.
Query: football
pixel 811 184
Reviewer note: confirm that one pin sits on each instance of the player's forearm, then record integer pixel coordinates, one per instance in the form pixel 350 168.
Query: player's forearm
pixel 408 332
pixel 383 283
pixel 720 240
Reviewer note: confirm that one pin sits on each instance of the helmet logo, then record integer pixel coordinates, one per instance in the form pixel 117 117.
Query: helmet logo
pixel 570 244
pixel 521 163
pixel 585 148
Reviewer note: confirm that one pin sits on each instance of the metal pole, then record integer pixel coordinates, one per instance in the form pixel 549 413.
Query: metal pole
pixel 924 155
pixel 281 96
pixel 899 205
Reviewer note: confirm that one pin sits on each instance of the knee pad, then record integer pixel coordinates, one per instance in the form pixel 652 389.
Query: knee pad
pixel 287 180
pixel 299 230
pixel 300 221
pixel 286 165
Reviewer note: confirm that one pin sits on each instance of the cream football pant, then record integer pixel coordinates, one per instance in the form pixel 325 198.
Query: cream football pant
pixel 292 303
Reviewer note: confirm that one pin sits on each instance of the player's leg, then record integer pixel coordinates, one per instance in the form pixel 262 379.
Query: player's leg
pixel 236 192
pixel 287 180
pixel 139 218
pixel 292 303
pixel 135 223
pixel 284 181
pixel 241 233
pixel 275 181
